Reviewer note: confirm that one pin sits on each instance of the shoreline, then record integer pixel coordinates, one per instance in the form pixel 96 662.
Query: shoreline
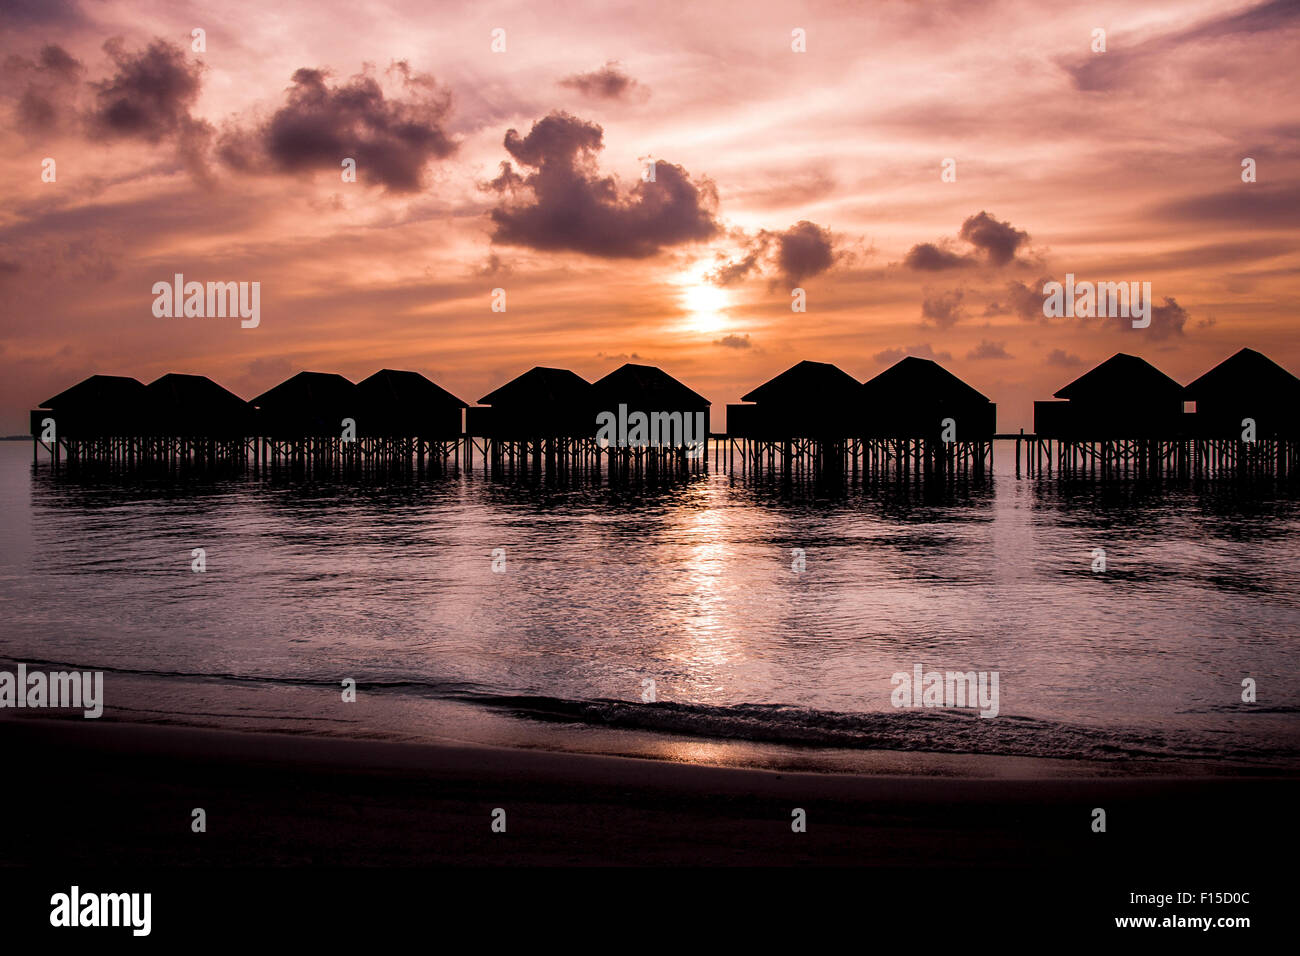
pixel 296 800
pixel 311 709
pixel 514 733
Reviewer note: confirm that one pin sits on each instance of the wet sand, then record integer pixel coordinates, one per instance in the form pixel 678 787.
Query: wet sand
pixel 96 792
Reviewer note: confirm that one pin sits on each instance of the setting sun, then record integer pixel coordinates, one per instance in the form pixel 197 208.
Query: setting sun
pixel 707 305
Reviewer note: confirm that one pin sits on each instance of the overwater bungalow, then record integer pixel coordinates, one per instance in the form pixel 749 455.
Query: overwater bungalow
pixel 810 400
pixel 194 406
pixel 543 414
pixel 913 399
pixel 658 396
pixel 308 405
pixel 1247 386
pixel 1124 397
pixel 399 404
pixel 100 406
pixel 1124 416
pixel 541 403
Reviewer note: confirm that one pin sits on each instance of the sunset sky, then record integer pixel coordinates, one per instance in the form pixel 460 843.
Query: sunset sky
pixel 522 170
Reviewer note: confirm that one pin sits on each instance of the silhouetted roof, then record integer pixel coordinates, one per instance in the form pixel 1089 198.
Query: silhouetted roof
pixel 1248 372
pixel 645 387
pixel 307 390
pixel 189 393
pixel 819 381
pixel 1121 377
pixel 194 405
pixel 406 389
pixel 99 392
pixel 539 386
pixel 919 380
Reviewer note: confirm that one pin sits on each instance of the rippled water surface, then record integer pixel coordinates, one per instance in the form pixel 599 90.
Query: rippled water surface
pixel 688 585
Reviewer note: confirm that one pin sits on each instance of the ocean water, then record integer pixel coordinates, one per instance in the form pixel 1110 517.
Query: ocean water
pixel 688 584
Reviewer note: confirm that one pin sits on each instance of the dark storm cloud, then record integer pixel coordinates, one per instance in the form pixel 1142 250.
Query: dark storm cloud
pixel 150 95
pixel 928 257
pixel 607 83
pixel 392 139
pixel 800 252
pixel 558 141
pixel 995 243
pixel 149 98
pixel 804 250
pixel 564 204
pixel 998 241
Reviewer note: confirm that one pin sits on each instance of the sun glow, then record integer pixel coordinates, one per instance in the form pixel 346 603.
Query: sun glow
pixel 707 305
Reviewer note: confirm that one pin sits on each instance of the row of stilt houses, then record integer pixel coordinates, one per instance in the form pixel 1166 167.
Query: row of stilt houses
pixel 915 417
pixel 1124 417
